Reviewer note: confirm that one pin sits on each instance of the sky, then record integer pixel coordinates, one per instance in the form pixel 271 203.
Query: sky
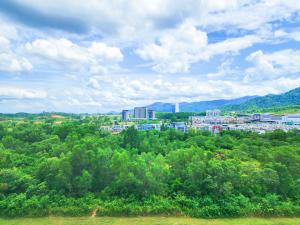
pixel 99 56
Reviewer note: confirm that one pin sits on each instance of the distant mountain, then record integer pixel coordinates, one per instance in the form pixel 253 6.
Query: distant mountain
pixel 290 98
pixel 197 106
pixel 161 107
pixel 214 104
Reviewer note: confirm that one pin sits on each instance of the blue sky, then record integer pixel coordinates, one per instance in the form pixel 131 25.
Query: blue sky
pixel 98 56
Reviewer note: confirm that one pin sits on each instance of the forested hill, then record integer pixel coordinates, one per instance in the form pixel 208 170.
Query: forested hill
pixel 197 106
pixel 290 98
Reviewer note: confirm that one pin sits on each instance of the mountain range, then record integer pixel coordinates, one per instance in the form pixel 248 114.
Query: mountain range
pixel 290 98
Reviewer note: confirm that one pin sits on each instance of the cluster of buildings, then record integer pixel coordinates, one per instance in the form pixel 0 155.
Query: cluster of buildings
pixel 141 127
pixel 143 113
pixel 212 117
pixel 213 121
pixel 261 123
pixel 180 126
pixel 290 119
pixel 139 113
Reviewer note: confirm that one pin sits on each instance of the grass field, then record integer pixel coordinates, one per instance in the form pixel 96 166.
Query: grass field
pixel 147 221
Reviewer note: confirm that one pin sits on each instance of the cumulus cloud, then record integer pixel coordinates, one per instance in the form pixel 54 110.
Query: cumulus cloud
pixel 116 92
pixel 138 16
pixel 14 92
pixel 176 49
pixel 4 44
pixel 292 35
pixel 30 16
pixel 181 47
pixel 252 14
pixel 272 65
pixel 225 71
pixel 9 60
pixel 97 65
pixel 96 58
pixel 128 92
pixel 8 30
pixel 231 45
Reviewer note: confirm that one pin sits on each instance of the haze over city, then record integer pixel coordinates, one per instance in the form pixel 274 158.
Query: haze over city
pixel 100 56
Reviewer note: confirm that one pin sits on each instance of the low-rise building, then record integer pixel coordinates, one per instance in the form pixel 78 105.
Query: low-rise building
pixel 213 113
pixel 255 117
pixel 271 118
pixel 180 126
pixel 145 127
pixel 198 120
pixel 114 128
pixel 291 119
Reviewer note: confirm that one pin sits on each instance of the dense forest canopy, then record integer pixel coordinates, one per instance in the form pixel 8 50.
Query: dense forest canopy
pixel 74 168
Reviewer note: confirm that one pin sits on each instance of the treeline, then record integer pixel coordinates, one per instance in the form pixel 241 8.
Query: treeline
pixel 75 168
pixel 177 117
pixel 276 110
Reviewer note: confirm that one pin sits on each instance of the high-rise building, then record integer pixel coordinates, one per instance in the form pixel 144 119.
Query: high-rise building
pixel 151 114
pixel 125 115
pixel 140 113
pixel 175 107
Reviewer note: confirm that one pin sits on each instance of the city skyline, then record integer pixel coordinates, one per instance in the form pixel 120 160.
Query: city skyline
pixel 101 56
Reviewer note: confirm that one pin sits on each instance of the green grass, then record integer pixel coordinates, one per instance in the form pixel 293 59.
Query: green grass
pixel 147 221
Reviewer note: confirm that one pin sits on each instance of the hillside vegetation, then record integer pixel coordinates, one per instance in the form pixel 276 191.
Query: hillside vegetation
pixel 288 99
pixel 287 102
pixel 197 106
pixel 73 168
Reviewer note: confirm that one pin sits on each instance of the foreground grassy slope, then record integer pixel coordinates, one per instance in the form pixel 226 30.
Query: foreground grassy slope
pixel 148 221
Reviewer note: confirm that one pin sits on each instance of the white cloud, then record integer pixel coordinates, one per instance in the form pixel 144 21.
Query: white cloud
pixel 138 16
pixel 8 30
pixel 105 53
pixel 126 92
pixel 93 83
pixel 232 45
pixel 4 44
pixel 116 92
pixel 293 35
pixel 175 50
pixel 225 71
pixel 146 22
pixel 10 63
pixel 13 92
pixel 96 58
pixel 269 66
pixel 252 14
pixel 181 47
pixel 82 71
pixel 9 60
